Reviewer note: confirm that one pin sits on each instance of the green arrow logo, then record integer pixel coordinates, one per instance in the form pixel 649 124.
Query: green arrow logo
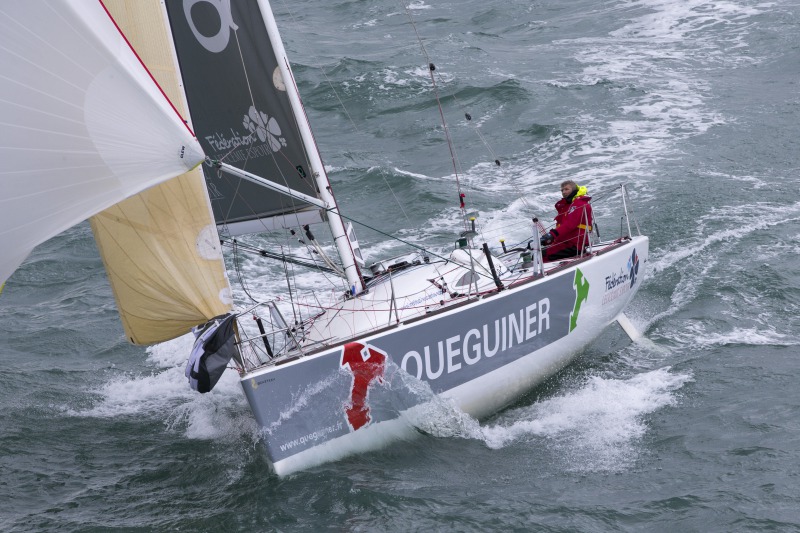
pixel 581 286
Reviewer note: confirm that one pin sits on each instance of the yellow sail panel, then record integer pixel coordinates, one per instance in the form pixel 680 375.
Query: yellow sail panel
pixel 162 255
pixel 160 248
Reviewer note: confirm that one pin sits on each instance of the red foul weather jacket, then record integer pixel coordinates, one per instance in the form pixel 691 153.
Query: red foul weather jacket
pixel 573 220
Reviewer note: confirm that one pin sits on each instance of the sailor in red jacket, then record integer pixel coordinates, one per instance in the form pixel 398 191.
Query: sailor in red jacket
pixel 573 223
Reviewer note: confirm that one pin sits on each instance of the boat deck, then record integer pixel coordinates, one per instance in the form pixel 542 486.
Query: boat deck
pixel 404 290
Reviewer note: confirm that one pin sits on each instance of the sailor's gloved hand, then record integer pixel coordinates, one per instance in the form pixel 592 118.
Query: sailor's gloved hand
pixel 546 239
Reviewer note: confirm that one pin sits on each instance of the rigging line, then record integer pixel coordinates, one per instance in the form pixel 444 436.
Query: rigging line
pixel 299 302
pixel 500 229
pixel 398 239
pixel 291 293
pixel 476 128
pixel 321 269
pixel 346 112
pixel 239 275
pixel 325 258
pixel 292 203
pixel 279 256
pixel 330 84
pixel 303 146
pixel 332 267
pixel 311 263
pixel 399 204
pixel 244 68
pixel 441 112
pixel 236 184
pixel 431 68
pixel 332 282
pixel 248 150
pixel 290 209
pixel 396 199
pixel 335 208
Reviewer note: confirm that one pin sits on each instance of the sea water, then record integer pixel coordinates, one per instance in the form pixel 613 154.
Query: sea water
pixel 694 104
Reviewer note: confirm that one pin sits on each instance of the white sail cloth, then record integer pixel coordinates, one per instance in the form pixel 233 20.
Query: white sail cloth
pixel 83 125
pixel 160 248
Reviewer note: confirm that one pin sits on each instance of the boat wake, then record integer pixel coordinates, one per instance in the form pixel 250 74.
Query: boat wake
pixel 738 336
pixel 163 394
pixel 594 428
pixel 720 244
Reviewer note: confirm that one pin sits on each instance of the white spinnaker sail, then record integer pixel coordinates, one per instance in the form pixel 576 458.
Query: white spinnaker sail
pixel 160 248
pixel 82 124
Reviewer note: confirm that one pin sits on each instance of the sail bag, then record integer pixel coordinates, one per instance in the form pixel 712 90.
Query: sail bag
pixel 214 347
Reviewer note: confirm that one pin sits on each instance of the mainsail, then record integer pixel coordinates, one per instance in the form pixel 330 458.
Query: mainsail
pixel 238 101
pixel 84 126
pixel 246 110
pixel 160 248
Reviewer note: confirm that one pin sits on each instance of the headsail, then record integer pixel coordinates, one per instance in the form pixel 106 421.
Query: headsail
pixel 239 105
pixel 84 126
pixel 160 248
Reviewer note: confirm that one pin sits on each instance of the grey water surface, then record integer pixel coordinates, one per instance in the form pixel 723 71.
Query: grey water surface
pixel 694 104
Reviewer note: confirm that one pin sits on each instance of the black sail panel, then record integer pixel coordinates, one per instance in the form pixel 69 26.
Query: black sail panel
pixel 240 112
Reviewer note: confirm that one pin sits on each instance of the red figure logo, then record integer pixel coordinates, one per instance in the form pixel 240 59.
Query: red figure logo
pixel 367 364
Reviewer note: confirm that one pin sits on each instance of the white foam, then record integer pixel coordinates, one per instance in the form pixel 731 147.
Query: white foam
pixel 418 4
pixel 594 428
pixel 414 174
pixel 648 52
pixel 392 78
pixel 164 394
pixel 675 22
pixel 752 181
pixel 695 259
pixel 743 222
pixel 696 335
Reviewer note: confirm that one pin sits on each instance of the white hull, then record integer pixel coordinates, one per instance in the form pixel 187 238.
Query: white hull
pixel 483 355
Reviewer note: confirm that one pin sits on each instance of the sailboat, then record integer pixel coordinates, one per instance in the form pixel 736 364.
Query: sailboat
pixel 177 126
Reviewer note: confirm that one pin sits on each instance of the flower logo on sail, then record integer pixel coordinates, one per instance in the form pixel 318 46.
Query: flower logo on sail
pixel 633 267
pixel 265 127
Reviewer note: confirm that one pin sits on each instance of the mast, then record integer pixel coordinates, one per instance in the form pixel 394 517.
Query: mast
pixel 335 222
